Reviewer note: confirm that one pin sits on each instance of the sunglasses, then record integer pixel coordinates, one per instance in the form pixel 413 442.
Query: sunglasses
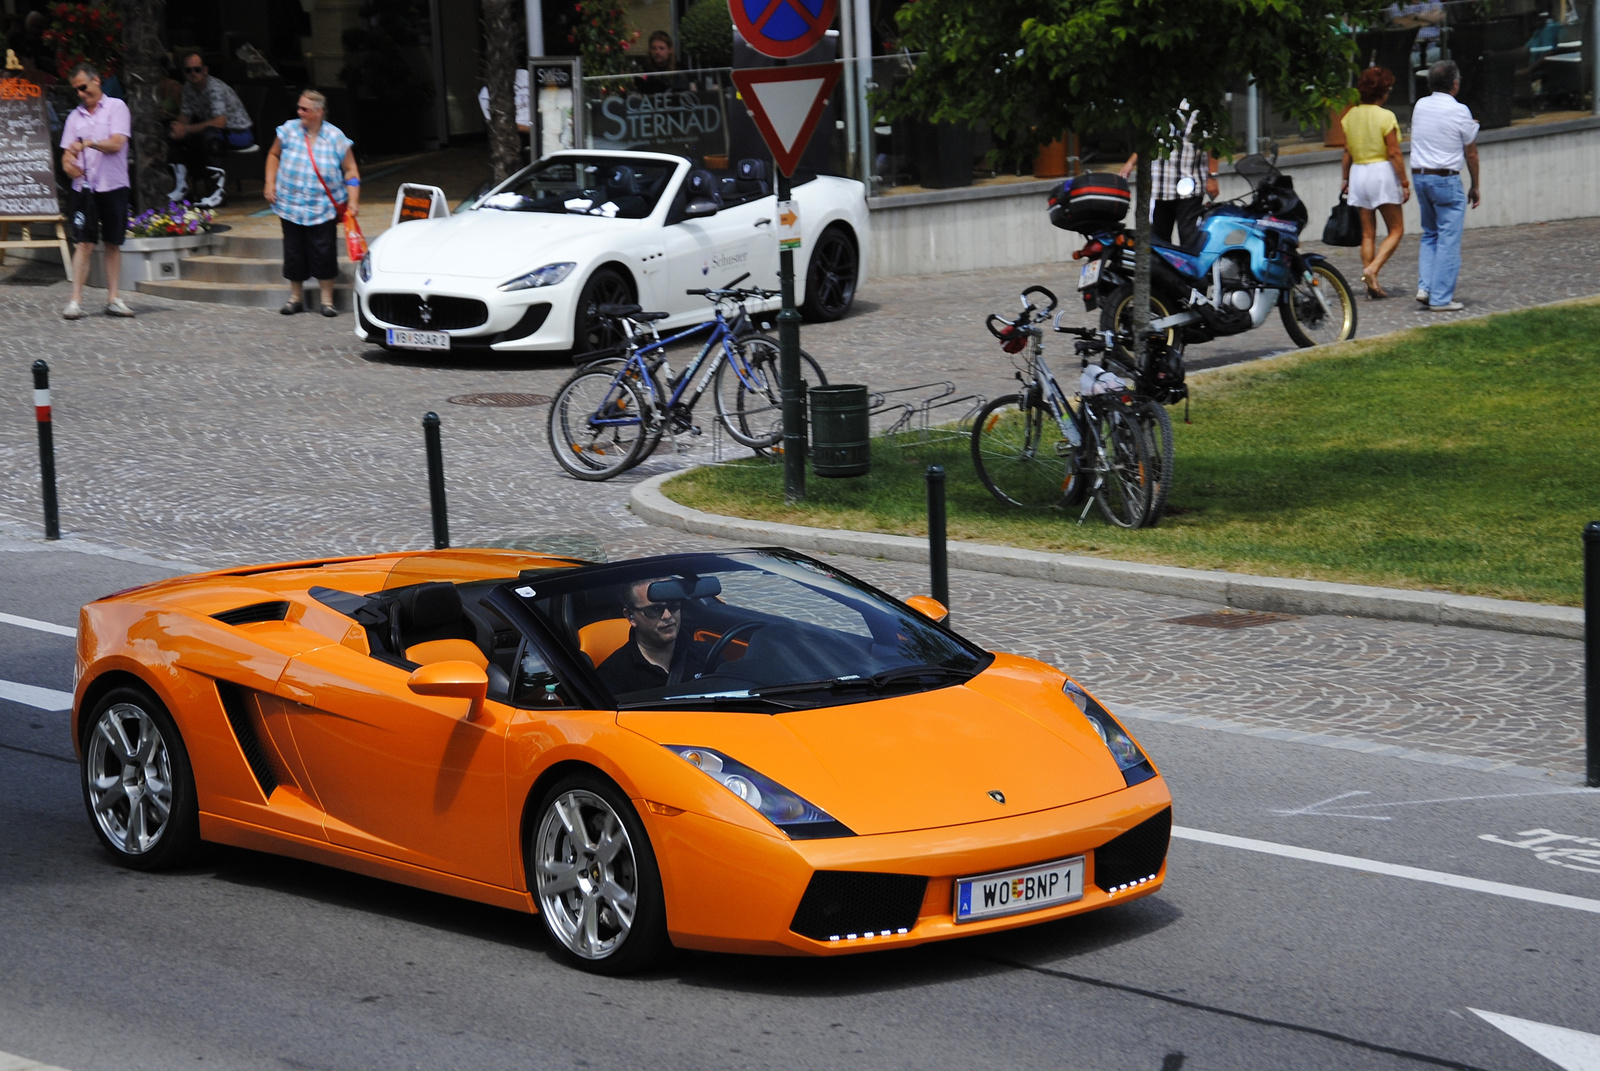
pixel 656 609
pixel 83 88
pixel 195 70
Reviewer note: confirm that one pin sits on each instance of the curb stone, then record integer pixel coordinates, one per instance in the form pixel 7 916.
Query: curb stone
pixel 1238 590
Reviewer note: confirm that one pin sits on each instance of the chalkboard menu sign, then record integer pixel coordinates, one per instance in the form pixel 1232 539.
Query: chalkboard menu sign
pixel 27 163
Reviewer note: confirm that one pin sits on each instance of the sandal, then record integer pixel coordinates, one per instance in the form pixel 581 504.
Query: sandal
pixel 291 307
pixel 1374 291
pixel 329 310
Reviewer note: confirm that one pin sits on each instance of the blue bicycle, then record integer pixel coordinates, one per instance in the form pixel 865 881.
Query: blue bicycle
pixel 612 413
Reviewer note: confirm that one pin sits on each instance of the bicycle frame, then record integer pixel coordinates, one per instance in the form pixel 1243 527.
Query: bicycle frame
pixel 637 363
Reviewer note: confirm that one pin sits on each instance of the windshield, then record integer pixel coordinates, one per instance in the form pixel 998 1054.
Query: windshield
pixel 753 630
pixel 587 186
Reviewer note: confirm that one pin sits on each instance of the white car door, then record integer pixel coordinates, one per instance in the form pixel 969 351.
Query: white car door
pixel 707 252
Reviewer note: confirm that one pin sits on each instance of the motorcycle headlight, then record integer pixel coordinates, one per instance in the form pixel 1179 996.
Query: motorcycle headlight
pixel 1130 760
pixel 365 268
pixel 549 275
pixel 786 810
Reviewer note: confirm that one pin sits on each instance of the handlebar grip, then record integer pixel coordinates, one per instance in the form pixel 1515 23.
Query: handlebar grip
pixel 737 281
pixel 992 320
pixel 702 292
pixel 1046 292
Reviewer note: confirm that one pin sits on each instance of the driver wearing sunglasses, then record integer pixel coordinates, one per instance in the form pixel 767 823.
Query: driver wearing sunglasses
pixel 652 657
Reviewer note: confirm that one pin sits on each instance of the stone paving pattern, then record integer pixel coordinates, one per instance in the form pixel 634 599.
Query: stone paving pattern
pixel 218 435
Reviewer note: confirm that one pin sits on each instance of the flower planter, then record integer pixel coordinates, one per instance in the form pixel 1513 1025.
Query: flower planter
pixel 152 258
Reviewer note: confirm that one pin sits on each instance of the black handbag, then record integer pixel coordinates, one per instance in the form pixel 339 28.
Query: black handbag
pixel 1344 224
pixel 85 216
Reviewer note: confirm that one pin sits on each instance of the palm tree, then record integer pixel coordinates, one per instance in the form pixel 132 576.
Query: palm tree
pixel 499 73
pixel 141 64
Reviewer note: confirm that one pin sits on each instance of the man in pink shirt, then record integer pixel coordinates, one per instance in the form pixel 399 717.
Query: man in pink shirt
pixel 95 153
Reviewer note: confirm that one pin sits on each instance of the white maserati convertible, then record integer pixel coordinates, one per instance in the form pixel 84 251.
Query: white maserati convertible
pixel 526 268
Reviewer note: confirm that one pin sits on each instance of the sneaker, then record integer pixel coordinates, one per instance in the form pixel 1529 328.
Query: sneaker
pixel 218 193
pixel 118 307
pixel 180 174
pixel 1454 306
pixel 1422 296
pixel 73 311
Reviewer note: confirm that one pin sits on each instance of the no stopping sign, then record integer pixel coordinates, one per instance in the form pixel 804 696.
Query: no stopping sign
pixel 782 28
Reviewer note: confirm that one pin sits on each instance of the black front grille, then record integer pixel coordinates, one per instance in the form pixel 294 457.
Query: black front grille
pixel 256 611
pixel 1136 854
pixel 434 313
pixel 846 903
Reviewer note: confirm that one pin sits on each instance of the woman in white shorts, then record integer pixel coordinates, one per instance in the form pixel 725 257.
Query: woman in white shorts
pixel 1375 173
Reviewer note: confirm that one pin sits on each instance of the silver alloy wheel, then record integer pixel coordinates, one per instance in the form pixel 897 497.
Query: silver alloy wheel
pixel 129 778
pixel 588 881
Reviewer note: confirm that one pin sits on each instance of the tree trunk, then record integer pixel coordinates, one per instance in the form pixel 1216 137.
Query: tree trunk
pixel 499 74
pixel 141 68
pixel 1141 254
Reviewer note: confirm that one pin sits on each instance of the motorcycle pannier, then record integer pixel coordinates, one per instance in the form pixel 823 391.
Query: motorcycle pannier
pixel 1090 202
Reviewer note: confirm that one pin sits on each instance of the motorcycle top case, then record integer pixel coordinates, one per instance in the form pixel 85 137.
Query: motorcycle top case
pixel 1090 202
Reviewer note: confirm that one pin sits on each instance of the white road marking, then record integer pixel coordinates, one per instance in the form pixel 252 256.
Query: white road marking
pixel 1572 1050
pixel 1548 845
pixel 42 626
pixel 1372 866
pixel 1315 809
pixel 8 1062
pixel 33 696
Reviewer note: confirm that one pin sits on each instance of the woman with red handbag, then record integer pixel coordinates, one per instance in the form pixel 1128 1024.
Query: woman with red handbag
pixel 313 184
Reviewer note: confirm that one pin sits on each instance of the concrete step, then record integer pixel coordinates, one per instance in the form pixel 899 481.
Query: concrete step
pixel 258 295
pixel 213 269
pixel 245 245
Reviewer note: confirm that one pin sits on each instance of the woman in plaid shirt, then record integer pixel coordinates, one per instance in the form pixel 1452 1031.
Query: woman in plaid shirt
pixel 309 211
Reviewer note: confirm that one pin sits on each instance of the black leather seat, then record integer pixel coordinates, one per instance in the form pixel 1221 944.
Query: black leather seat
pixel 702 185
pixel 430 611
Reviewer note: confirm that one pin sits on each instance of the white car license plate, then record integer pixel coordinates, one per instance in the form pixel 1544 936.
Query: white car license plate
pixel 1013 891
pixel 1088 275
pixel 418 340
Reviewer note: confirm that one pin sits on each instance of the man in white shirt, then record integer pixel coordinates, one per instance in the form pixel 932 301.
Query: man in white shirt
pixel 521 97
pixel 1443 137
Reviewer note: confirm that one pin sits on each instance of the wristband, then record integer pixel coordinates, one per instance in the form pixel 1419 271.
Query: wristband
pixel 352 182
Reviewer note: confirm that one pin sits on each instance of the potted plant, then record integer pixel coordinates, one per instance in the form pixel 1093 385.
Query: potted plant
pixel 157 239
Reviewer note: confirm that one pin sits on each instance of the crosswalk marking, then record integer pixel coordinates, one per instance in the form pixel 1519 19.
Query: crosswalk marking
pixel 41 626
pixel 34 696
pixel 1372 866
pixel 8 1062
pixel 1568 1049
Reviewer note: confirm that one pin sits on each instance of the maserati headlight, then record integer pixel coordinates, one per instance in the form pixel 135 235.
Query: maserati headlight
pixel 792 814
pixel 1130 760
pixel 365 268
pixel 549 275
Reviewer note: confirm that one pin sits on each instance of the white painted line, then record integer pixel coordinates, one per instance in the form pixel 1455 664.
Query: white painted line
pixel 1572 1050
pixel 1372 866
pixel 8 1062
pixel 29 695
pixel 42 626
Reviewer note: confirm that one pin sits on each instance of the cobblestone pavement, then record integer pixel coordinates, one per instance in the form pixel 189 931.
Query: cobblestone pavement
pixel 220 435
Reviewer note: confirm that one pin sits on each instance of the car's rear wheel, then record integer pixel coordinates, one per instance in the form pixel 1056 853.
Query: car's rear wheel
pixel 593 334
pixel 137 782
pixel 831 276
pixel 593 872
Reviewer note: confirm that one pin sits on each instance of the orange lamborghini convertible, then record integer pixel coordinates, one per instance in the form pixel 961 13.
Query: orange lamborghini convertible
pixel 746 751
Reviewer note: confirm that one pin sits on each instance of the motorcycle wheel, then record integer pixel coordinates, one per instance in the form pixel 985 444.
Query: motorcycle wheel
pixel 1303 315
pixel 1116 314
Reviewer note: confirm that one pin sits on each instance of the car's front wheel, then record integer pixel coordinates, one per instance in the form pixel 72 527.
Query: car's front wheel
pixel 593 872
pixel 593 334
pixel 137 782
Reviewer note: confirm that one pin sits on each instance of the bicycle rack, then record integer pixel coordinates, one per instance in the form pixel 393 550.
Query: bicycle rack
pixel 913 421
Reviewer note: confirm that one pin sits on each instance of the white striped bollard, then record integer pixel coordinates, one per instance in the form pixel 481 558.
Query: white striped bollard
pixel 47 448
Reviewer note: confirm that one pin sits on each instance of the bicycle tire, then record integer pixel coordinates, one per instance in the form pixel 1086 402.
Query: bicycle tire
pixel 752 412
pixel 1157 425
pixel 1014 450
pixel 591 452
pixel 1124 489
pixel 656 417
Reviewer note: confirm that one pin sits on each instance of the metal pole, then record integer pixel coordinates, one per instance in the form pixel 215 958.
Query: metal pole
pixel 1252 116
pixel 847 52
pixel 862 72
pixel 938 555
pixel 1591 647
pixel 794 398
pixel 1592 47
pixel 441 519
pixel 47 449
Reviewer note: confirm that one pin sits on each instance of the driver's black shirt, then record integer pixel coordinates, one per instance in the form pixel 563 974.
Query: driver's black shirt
pixel 628 670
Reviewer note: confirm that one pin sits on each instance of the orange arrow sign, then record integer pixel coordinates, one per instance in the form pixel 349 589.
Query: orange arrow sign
pixel 788 219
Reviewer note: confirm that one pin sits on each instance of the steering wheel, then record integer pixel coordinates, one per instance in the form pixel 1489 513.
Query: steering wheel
pixel 728 637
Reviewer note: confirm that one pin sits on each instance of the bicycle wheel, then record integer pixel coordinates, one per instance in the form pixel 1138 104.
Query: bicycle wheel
pixel 655 416
pixel 1021 456
pixel 1304 317
pixel 1157 426
pixel 598 424
pixel 1128 475
pixel 750 405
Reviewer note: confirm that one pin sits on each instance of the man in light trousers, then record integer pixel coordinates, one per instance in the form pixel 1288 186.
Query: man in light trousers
pixel 1443 138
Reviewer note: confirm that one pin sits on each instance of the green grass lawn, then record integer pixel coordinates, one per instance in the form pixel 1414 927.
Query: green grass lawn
pixel 1463 458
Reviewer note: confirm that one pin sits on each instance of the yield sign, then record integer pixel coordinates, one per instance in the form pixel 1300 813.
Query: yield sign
pixel 786 103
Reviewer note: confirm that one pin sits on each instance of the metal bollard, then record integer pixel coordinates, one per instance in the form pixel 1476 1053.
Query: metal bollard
pixel 47 448
pixel 441 518
pixel 938 556
pixel 1591 648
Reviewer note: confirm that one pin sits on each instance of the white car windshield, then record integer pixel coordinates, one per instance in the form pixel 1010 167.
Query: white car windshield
pixel 605 186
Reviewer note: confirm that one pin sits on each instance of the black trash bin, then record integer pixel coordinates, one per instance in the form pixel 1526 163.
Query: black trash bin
pixel 841 441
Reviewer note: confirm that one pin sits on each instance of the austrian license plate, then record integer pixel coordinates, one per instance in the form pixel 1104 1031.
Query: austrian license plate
pixel 1088 275
pixel 418 340
pixel 1014 891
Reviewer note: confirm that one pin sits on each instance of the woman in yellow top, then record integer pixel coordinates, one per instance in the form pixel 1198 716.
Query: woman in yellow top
pixel 1375 173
